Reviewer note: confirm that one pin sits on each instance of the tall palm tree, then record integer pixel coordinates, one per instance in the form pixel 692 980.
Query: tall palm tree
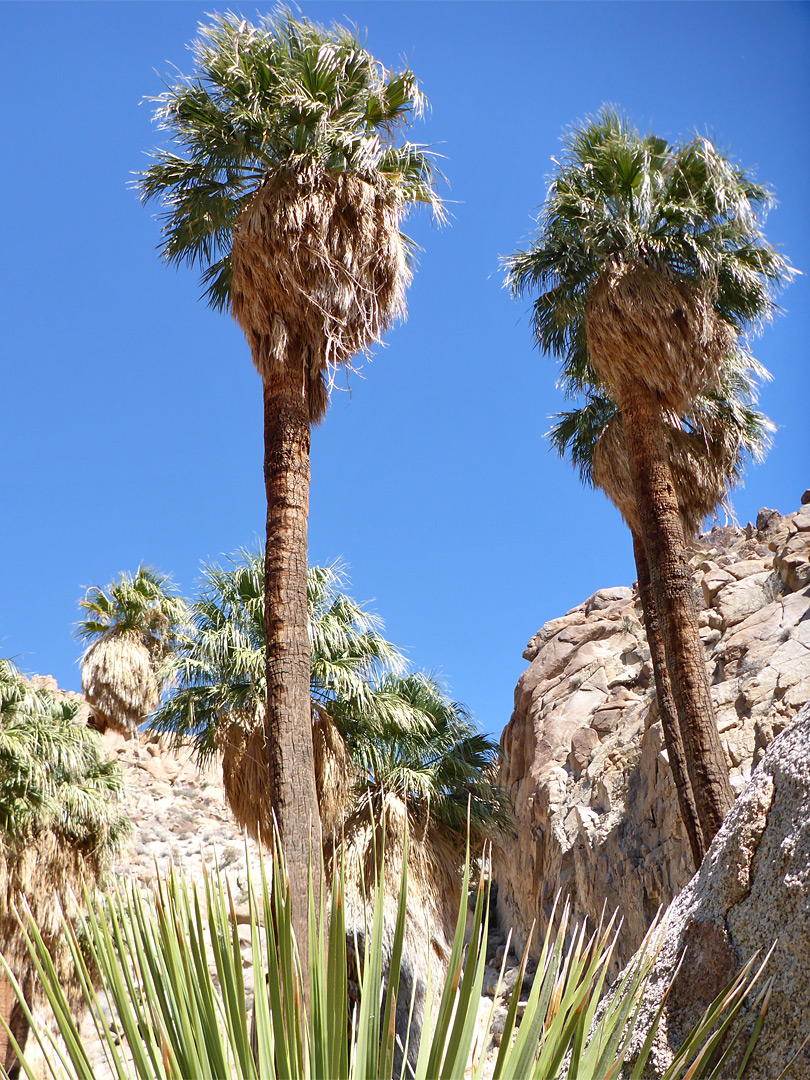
pixel 60 826
pixel 132 626
pixel 707 451
pixel 289 191
pixel 650 265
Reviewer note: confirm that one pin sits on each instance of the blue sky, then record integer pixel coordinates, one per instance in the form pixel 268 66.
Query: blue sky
pixel 132 426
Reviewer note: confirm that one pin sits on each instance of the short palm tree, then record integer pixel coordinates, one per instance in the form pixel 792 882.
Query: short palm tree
pixel 707 451
pixel 132 626
pixel 375 728
pixel 289 191
pixel 217 700
pixel 60 825
pixel 394 756
pixel 649 266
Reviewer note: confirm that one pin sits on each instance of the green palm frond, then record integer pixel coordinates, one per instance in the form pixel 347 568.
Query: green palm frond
pixel 685 210
pixel 53 771
pixel 283 96
pixel 574 433
pixel 144 604
pixel 402 731
pixel 431 755
pixel 220 672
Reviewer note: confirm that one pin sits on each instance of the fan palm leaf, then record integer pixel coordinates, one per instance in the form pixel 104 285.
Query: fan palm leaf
pixel 376 729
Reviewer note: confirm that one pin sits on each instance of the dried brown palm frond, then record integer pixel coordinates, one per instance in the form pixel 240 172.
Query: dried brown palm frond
pixel 374 835
pixel 119 681
pixel 334 772
pixel 320 270
pixel 642 327
pixel 49 876
pixel 704 466
pixel 242 741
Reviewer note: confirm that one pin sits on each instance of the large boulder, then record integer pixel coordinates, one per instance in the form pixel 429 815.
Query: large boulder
pixel 584 755
pixel 752 890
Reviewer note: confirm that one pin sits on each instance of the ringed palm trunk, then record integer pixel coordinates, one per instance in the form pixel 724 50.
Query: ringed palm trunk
pixel 672 592
pixel 666 707
pixel 288 721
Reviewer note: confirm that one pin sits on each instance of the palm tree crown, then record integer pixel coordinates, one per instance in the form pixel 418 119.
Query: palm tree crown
pixel 397 733
pixel 132 625
pixel 220 671
pixel 290 186
pixel 681 218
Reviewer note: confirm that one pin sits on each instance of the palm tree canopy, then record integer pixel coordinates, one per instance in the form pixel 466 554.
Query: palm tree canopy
pixel 144 606
pixel 708 449
pixel 282 98
pixel 132 626
pixel 441 766
pixel 621 203
pixel 220 672
pixel 402 732
pixel 54 774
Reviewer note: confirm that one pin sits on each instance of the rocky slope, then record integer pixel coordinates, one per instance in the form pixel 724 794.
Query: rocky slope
pixel 752 895
pixel 584 755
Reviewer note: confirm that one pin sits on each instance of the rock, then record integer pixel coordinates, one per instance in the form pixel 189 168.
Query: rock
pixel 792 560
pixel 741 598
pixel 584 756
pixel 713 581
pixel 583 743
pixel 806 497
pixel 753 890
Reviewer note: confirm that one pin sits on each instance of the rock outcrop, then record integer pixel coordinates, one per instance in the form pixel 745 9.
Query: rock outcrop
pixel 584 754
pixel 752 890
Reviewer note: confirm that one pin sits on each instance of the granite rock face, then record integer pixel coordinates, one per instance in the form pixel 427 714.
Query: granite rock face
pixel 752 890
pixel 584 754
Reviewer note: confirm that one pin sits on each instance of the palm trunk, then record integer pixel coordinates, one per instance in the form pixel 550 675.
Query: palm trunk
pixel 12 1014
pixel 666 708
pixel 289 726
pixel 671 584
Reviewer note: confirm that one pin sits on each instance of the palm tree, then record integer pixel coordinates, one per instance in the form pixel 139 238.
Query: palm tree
pixel 218 695
pixel 289 190
pixel 706 451
pixel 393 755
pixel 650 265
pixel 60 825
pixel 132 626
pixel 376 728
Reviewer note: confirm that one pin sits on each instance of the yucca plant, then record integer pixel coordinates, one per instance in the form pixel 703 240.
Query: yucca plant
pixel 170 966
